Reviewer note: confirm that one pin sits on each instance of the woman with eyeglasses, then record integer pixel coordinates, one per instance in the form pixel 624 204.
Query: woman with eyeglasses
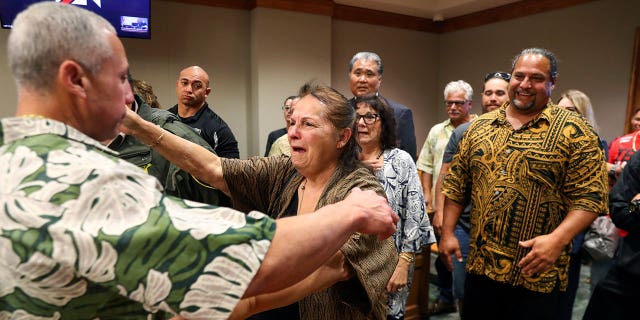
pixel 396 171
pixel 322 169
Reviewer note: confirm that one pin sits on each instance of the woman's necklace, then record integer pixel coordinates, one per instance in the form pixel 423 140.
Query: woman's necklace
pixel 380 154
pixel 302 187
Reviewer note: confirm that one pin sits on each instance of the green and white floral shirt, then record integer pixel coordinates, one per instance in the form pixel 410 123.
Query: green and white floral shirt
pixel 85 235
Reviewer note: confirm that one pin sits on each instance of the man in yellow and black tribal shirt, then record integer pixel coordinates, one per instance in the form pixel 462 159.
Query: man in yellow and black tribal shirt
pixel 535 176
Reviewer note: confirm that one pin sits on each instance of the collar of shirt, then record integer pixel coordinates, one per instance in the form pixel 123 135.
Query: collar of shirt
pixel 16 128
pixel 546 114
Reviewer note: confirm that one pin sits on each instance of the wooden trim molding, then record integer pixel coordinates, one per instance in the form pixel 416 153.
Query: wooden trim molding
pixel 343 12
pixel 506 12
pixel 231 4
pixel 321 7
pixel 633 100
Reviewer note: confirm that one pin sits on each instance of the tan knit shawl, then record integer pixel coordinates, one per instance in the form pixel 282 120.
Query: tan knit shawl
pixel 269 184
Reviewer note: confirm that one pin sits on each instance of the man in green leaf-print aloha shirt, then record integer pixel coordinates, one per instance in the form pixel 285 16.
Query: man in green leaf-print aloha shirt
pixel 85 235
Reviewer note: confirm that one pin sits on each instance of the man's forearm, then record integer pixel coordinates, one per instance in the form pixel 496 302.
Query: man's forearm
pixel 302 243
pixel 426 181
pixel 575 222
pixel 439 182
pixel 324 277
pixel 452 211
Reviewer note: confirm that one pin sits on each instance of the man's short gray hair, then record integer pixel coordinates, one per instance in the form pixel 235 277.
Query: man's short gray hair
pixel 48 33
pixel 457 86
pixel 366 56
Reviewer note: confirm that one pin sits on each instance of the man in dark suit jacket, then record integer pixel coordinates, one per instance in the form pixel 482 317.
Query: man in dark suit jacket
pixel 365 76
pixel 275 134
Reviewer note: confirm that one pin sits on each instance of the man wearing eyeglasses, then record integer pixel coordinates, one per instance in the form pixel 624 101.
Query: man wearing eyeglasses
pixel 494 94
pixel 365 77
pixel 457 101
pixel 282 132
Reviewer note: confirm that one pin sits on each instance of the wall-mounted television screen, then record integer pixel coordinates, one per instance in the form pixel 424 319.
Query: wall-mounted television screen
pixel 129 17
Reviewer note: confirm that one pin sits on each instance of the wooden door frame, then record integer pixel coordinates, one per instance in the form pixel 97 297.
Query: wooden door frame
pixel 633 101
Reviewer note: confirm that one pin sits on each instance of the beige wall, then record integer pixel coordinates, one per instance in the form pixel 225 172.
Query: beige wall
pixel 593 43
pixel 216 39
pixel 287 50
pixel 410 60
pixel 8 93
pixel 256 58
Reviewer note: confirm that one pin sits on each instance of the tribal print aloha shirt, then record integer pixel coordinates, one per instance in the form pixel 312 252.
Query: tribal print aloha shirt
pixel 522 184
pixel 85 235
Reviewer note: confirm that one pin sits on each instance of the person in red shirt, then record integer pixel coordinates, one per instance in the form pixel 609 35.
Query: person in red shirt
pixel 623 147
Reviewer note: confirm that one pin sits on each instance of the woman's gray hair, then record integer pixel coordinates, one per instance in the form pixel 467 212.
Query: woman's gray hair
pixel 48 33
pixel 366 56
pixel 459 86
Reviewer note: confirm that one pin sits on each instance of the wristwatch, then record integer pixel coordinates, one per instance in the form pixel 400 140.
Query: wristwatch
pixel 634 207
pixel 612 172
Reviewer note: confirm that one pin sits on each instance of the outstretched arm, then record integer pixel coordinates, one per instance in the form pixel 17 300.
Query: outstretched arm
pixel 190 157
pixel 310 239
pixel 334 270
